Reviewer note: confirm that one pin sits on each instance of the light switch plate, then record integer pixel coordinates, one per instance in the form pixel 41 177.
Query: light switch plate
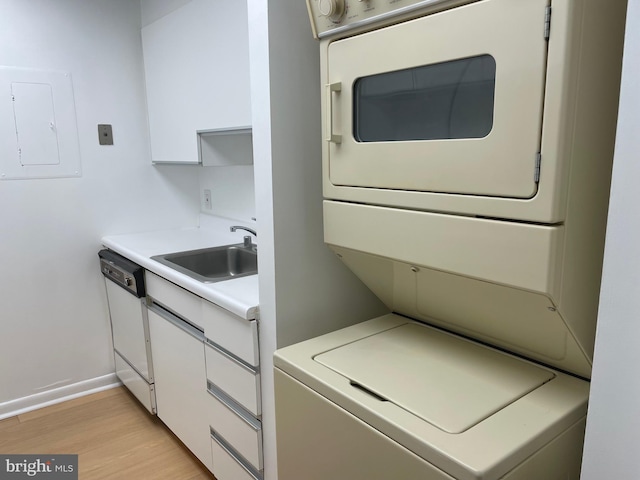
pixel 105 134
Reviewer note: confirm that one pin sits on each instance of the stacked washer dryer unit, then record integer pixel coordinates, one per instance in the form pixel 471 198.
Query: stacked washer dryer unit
pixel 466 165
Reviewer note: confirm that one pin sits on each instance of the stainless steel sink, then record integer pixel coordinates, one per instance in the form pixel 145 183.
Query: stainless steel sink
pixel 214 264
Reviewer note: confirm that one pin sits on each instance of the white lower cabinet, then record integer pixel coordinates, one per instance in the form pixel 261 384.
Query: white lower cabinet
pixel 207 374
pixel 179 366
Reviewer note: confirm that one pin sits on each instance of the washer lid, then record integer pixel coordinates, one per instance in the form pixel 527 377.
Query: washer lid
pixel 451 384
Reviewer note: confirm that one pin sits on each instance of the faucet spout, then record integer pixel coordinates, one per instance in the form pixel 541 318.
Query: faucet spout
pixel 247 239
pixel 240 227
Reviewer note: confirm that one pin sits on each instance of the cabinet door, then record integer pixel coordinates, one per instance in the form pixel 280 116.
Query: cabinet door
pixel 196 62
pixel 181 387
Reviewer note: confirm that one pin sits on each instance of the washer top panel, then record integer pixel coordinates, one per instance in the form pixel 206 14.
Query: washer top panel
pixel 451 384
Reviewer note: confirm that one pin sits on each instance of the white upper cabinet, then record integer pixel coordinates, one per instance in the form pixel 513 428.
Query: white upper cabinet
pixel 196 61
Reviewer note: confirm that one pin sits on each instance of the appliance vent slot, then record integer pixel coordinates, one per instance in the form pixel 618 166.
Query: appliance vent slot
pixel 536 170
pixel 547 22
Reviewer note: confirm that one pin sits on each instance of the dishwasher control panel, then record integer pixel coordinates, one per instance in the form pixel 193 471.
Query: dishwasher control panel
pixel 122 271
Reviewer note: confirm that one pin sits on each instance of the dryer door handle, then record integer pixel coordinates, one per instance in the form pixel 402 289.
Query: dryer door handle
pixel 331 88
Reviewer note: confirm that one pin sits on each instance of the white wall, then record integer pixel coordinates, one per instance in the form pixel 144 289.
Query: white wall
pixel 232 192
pixel 152 10
pixel 54 328
pixel 304 289
pixel 613 421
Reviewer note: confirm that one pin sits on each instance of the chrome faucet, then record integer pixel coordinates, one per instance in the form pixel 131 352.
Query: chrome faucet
pixel 247 238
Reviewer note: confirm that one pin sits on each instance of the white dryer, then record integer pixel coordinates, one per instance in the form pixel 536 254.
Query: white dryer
pixel 467 153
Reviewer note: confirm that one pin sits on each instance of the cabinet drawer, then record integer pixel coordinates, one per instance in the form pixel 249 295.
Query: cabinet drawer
pixel 227 463
pixel 241 430
pixel 233 333
pixel 239 381
pixel 175 298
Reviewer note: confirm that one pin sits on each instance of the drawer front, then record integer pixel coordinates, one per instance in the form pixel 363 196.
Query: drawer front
pixel 227 464
pixel 233 333
pixel 175 298
pixel 137 385
pixel 239 381
pixel 237 427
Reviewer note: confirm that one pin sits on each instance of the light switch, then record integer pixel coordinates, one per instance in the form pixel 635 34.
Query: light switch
pixel 105 134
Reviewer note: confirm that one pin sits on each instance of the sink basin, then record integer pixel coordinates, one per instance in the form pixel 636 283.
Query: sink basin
pixel 214 264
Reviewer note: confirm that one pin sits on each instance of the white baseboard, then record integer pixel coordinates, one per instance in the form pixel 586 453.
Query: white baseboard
pixel 58 395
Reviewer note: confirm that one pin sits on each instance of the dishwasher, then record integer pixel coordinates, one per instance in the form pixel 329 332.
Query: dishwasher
pixel 124 282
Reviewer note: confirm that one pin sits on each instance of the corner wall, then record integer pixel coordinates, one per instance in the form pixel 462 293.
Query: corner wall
pixel 54 326
pixel 613 423
pixel 305 290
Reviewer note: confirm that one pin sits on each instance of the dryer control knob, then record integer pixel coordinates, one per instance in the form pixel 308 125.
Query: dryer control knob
pixel 334 9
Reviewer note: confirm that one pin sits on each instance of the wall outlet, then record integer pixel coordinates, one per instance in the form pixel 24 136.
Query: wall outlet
pixel 207 199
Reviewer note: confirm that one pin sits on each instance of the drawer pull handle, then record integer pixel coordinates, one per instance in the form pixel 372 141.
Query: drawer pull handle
pixel 235 455
pixel 232 405
pixel 225 353
pixel 177 321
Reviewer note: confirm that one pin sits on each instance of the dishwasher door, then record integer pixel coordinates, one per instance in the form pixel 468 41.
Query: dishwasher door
pixel 130 328
pixel 132 349
pixel 124 282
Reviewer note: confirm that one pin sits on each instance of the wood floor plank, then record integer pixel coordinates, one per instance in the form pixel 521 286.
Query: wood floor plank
pixel 9 421
pixel 113 435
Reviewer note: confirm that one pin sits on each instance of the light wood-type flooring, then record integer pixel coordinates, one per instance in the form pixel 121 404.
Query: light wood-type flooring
pixel 114 436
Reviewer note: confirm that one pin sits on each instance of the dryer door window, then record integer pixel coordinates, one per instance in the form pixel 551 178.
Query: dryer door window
pixel 449 100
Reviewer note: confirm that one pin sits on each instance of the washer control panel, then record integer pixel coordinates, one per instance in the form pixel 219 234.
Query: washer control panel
pixel 330 17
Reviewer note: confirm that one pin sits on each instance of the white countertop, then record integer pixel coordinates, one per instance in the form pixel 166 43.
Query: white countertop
pixel 239 295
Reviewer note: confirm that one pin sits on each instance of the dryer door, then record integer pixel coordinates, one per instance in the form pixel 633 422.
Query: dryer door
pixel 450 102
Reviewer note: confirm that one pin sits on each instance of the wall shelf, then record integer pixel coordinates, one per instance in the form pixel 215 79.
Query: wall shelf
pixel 225 147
